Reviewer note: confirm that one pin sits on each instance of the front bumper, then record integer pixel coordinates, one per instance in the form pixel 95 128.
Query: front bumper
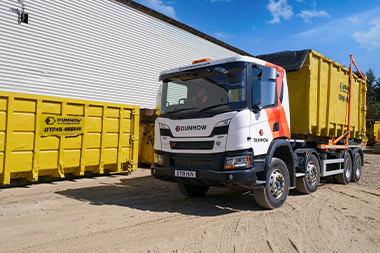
pixel 236 179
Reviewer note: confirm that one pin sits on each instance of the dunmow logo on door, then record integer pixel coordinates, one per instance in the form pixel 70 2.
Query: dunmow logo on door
pixel 191 128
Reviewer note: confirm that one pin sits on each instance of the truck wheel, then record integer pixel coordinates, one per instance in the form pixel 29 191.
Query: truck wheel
pixel 192 190
pixel 276 189
pixel 310 182
pixel 357 168
pixel 345 177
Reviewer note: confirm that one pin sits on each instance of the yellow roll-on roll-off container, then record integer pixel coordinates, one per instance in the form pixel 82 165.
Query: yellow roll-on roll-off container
pixel 49 136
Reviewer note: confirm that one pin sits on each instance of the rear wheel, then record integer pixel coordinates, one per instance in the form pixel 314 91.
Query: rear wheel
pixel 345 177
pixel 192 190
pixel 276 189
pixel 310 182
pixel 357 168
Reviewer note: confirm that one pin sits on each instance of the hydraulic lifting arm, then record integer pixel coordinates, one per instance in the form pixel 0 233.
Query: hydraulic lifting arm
pixel 349 101
pixel 332 142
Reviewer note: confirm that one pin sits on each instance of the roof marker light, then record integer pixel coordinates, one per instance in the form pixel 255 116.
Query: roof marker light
pixel 201 60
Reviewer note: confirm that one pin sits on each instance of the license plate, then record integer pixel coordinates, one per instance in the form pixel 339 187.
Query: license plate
pixel 185 173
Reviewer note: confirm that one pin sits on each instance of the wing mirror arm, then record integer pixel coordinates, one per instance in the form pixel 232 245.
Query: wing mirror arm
pixel 256 108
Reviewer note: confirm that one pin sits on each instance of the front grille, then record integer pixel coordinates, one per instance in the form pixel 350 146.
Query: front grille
pixel 198 161
pixel 194 145
pixel 187 163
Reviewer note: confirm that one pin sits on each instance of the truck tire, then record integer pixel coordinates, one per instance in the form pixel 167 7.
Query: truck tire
pixel 192 190
pixel 357 168
pixel 345 177
pixel 276 189
pixel 310 182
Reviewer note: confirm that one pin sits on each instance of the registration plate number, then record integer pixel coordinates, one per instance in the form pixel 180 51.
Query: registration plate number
pixel 185 173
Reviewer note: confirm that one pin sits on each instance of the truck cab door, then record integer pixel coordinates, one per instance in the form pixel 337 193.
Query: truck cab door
pixel 268 117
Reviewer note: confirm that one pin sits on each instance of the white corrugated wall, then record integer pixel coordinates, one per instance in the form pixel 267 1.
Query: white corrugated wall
pixel 98 50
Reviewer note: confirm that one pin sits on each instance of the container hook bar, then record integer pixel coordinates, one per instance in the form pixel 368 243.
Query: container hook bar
pixel 356 66
pixel 352 61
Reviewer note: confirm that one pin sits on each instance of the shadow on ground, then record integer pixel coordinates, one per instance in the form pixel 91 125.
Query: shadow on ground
pixel 368 150
pixel 148 193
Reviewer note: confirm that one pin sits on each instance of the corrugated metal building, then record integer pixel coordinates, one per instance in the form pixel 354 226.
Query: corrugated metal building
pixel 103 50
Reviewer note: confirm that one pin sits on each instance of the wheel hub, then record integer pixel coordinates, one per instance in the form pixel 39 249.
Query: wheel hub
pixel 311 173
pixel 277 183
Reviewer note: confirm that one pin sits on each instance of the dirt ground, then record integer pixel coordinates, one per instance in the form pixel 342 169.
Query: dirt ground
pixel 137 213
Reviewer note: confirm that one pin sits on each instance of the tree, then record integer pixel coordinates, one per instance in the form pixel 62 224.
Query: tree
pixel 373 95
pixel 371 90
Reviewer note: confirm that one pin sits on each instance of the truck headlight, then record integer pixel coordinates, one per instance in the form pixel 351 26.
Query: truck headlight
pixel 164 126
pixel 158 159
pixel 223 123
pixel 236 162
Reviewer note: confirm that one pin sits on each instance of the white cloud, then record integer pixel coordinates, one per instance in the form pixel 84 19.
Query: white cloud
pixel 370 39
pixel 220 0
pixel 222 36
pixel 159 6
pixel 340 34
pixel 279 10
pixel 354 20
pixel 307 15
pixel 334 30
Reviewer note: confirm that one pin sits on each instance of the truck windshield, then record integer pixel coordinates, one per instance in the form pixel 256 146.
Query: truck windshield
pixel 204 92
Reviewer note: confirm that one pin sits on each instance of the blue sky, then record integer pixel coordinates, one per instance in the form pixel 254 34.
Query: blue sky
pixel 332 28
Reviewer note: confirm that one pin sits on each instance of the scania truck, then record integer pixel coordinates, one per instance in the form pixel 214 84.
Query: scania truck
pixel 228 123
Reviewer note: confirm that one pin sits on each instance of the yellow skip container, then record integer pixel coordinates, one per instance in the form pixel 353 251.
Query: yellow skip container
pixel 49 136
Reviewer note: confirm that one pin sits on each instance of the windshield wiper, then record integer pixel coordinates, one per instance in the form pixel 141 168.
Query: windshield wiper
pixel 180 110
pixel 213 106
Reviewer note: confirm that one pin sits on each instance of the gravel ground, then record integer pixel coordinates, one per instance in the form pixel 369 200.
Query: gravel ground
pixel 138 213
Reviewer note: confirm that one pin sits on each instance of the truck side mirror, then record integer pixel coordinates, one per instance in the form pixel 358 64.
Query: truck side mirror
pixel 268 87
pixel 269 74
pixel 268 93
